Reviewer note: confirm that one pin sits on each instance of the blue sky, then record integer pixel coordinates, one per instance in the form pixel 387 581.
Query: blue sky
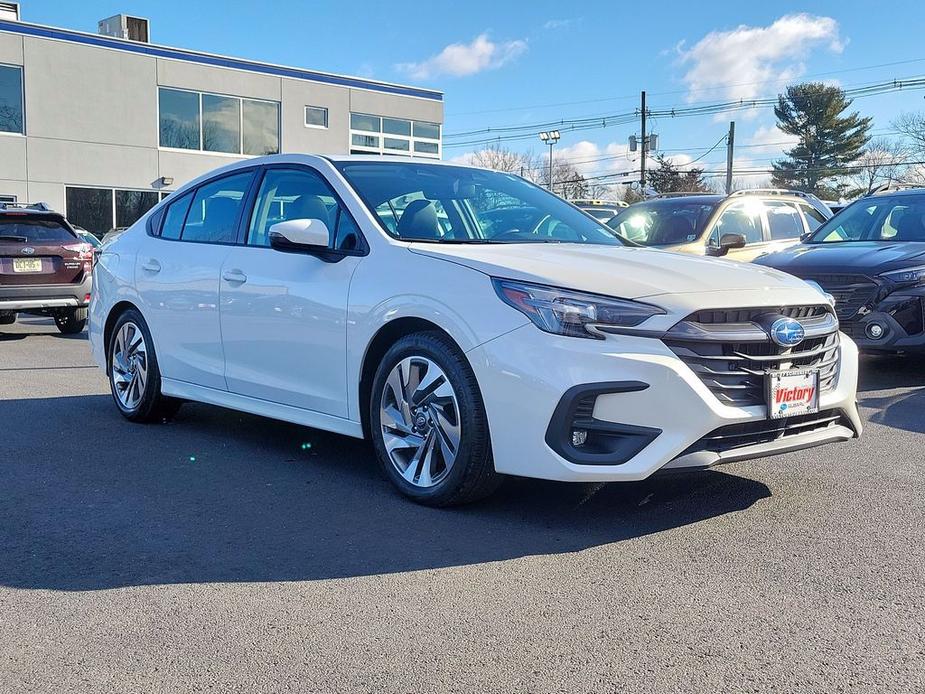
pixel 514 63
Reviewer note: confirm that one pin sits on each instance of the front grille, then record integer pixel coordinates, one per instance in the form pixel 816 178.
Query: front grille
pixel 851 292
pixel 734 369
pixel 734 436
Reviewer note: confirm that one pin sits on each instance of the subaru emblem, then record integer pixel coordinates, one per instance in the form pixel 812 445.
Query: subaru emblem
pixel 787 332
pixel 28 250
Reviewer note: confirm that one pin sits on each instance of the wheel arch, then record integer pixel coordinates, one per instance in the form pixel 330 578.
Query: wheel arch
pixel 385 337
pixel 117 310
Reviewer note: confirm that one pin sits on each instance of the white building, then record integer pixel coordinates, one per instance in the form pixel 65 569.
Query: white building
pixel 100 126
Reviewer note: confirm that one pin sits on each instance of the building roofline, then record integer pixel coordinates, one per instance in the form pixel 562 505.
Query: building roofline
pixel 184 54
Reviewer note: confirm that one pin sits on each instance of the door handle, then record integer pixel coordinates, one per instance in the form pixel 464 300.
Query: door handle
pixel 151 266
pixel 234 276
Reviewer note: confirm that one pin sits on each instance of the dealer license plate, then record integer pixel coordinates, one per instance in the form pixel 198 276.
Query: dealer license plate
pixel 792 393
pixel 27 264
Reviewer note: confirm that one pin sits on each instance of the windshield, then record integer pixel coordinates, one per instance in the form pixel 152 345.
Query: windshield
pixel 37 231
pixel 890 218
pixel 663 222
pixel 457 204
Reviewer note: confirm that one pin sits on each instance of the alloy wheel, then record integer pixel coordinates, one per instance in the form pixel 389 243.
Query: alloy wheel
pixel 420 421
pixel 129 365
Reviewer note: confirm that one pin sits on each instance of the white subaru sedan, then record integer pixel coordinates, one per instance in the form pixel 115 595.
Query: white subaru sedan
pixel 469 323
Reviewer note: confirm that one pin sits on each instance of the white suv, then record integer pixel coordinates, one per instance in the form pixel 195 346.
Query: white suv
pixel 466 321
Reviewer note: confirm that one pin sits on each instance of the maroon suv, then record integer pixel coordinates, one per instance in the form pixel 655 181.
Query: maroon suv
pixel 45 268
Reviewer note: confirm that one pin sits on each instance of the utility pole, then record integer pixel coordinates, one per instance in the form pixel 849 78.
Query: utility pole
pixel 730 146
pixel 643 148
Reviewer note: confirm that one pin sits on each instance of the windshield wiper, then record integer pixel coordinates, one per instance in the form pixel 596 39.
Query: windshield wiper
pixel 21 239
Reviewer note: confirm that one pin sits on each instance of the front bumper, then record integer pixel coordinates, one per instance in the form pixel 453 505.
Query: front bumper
pixel 41 297
pixel 900 319
pixel 524 375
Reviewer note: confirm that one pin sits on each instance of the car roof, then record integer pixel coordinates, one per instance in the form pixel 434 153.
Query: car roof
pixel 705 198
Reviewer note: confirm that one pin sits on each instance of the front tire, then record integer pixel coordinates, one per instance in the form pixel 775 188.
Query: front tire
pixel 134 376
pixel 428 423
pixel 71 321
pixel 7 317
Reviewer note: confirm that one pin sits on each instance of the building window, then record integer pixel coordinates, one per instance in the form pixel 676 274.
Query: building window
pixel 397 136
pixel 11 106
pixel 131 205
pixel 179 119
pixel 261 127
pixel 99 210
pixel 221 124
pixel 216 123
pixel 316 117
pixel 90 208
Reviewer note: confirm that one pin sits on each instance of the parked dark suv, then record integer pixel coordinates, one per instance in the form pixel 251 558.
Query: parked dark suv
pixel 871 258
pixel 45 268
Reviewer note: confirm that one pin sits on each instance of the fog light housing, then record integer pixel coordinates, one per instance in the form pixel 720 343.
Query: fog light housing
pixel 874 331
pixel 579 437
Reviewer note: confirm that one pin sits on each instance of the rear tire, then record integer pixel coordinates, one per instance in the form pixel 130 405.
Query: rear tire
pixel 71 321
pixel 134 376
pixel 7 317
pixel 428 423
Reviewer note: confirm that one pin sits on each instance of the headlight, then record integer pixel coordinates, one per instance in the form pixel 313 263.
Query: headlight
pixel 567 312
pixel 912 275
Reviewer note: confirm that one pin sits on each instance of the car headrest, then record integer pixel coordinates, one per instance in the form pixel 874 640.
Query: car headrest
pixel 910 226
pixel 676 229
pixel 309 207
pixel 419 221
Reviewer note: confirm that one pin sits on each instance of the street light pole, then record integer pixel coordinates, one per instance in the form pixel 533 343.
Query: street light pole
pixel 550 138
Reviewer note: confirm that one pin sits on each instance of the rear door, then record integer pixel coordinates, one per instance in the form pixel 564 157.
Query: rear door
pixel 38 249
pixel 177 277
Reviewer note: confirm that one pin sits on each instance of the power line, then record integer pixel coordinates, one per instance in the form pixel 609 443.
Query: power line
pixel 724 85
pixel 527 131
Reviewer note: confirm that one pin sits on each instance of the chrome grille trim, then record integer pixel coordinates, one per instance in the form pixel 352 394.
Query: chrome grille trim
pixel 732 359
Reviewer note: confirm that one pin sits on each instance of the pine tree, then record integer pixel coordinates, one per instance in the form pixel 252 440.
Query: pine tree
pixel 668 179
pixel 828 140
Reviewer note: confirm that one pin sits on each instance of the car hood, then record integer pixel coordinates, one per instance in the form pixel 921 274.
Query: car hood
pixel 866 257
pixel 631 273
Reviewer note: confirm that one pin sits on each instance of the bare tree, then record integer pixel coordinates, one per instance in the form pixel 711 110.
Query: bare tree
pixel 912 127
pixel 883 161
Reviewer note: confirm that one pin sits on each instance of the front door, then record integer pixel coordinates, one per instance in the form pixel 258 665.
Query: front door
pixel 284 315
pixel 743 217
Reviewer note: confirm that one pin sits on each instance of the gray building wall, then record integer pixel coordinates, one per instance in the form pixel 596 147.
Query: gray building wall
pixel 91 117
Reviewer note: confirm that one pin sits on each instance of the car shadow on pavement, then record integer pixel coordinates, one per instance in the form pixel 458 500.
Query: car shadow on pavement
pixel 222 496
pixel 900 410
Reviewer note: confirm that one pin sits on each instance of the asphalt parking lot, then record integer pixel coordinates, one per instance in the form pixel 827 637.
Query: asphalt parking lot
pixel 225 552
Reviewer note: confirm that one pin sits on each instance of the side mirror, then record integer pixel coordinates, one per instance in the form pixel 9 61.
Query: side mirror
pixel 727 242
pixel 300 235
pixel 804 237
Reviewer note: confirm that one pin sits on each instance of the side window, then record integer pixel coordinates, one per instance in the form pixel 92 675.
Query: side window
pixel 741 218
pixel 213 214
pixel 176 214
pixel 814 218
pixel 287 194
pixel 783 221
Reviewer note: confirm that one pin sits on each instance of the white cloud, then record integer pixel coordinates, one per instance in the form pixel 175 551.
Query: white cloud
pixel 462 59
pixel 554 24
pixel 746 62
pixel 768 139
